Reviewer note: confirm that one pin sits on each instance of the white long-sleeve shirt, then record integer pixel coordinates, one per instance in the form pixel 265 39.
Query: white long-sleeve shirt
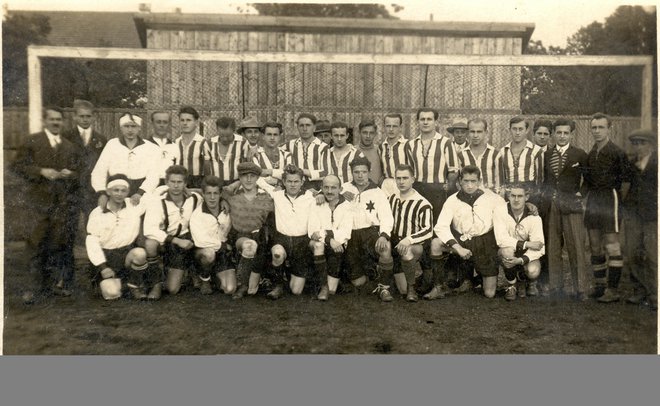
pixel 469 220
pixel 291 213
pixel 208 230
pixel 109 231
pixel 371 208
pixel 143 161
pixel 164 220
pixel 337 223
pixel 514 233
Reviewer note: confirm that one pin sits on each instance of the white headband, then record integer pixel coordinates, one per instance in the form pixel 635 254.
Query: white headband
pixel 117 182
pixel 130 119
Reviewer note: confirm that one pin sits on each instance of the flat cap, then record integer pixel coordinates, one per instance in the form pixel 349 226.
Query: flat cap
pixel 248 167
pixel 643 134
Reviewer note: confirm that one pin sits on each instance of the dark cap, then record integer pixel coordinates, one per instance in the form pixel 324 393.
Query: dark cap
pixel 322 126
pixel 643 134
pixel 248 167
pixel 248 122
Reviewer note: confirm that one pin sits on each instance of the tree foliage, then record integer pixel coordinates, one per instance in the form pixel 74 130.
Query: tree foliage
pixel 341 10
pixel 106 83
pixel 630 30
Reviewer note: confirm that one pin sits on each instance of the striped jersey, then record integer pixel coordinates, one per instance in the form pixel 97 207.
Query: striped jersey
pixel 191 156
pixel 225 166
pixel 413 217
pixel 341 167
pixel 264 162
pixel 393 155
pixel 486 162
pixel 524 168
pixel 432 165
pixel 310 157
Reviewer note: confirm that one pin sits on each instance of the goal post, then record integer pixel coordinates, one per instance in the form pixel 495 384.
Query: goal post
pixel 382 61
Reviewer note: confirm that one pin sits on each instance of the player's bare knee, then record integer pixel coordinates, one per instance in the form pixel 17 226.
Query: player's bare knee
pixel 613 248
pixel 533 270
pixel 506 252
pixel 278 254
pixel 151 246
pixel 437 247
pixel 138 256
pixel 249 248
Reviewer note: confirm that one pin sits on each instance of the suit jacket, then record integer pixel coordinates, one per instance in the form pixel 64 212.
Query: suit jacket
pixel 43 195
pixel 88 155
pixel 563 187
pixel 642 198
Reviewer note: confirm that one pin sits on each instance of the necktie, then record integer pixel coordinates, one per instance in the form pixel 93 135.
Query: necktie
pixel 555 161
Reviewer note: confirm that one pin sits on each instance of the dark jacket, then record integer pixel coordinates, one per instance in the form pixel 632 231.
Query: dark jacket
pixel 43 195
pixel 642 198
pixel 562 189
pixel 88 155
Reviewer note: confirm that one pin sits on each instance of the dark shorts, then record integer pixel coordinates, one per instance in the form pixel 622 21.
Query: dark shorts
pixel 115 259
pixel 435 193
pixel 361 252
pixel 603 211
pixel 484 254
pixel 424 260
pixel 176 257
pixel 298 254
pixel 259 237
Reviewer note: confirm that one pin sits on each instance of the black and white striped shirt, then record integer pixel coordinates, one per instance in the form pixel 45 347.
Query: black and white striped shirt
pixel 225 167
pixel 432 165
pixel 341 167
pixel 393 155
pixel 192 156
pixel 413 217
pixel 522 169
pixel 264 162
pixel 310 157
pixel 486 162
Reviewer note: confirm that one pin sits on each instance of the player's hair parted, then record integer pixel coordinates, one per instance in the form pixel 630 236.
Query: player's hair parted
pixel 176 170
pixel 518 119
pixel 517 185
pixel 153 113
pixel 57 109
pixel 543 123
pixel 306 115
pixel 469 170
pixel 564 121
pixel 272 124
pixel 211 181
pixel 369 122
pixel 394 115
pixel 338 124
pixel 598 116
pixel 478 120
pixel 291 170
pixel 405 167
pixel 80 104
pixel 435 112
pixel 226 122
pixel 189 110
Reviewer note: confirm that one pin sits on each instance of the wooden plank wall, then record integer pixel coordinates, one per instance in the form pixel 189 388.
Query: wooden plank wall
pixel 15 124
pixel 337 91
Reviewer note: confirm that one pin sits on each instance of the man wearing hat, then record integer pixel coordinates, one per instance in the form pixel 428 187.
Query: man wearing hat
pixel 459 131
pixel 131 155
pixel 323 132
pixel 49 165
pixel 112 231
pixel 641 209
pixel 250 130
pixel 251 208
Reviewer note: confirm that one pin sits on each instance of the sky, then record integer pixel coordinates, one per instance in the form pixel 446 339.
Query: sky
pixel 555 20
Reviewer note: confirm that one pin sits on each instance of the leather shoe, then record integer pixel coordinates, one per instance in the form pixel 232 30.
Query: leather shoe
pixel 240 292
pixel 324 293
pixel 276 293
pixel 156 292
pixel 137 293
pixel 438 292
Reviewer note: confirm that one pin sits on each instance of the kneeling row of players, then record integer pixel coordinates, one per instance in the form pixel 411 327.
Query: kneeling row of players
pixel 239 234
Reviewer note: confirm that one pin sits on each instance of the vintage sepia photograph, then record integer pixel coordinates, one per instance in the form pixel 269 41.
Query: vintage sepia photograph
pixel 329 178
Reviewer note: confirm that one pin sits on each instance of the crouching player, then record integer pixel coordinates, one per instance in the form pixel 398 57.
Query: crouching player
pixel 372 226
pixel 166 228
pixel 290 243
pixel 465 225
pixel 330 225
pixel 413 229
pixel 250 208
pixel 112 231
pixel 519 235
pixel 209 226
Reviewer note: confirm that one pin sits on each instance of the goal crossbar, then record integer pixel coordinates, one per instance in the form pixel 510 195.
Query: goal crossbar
pixel 36 52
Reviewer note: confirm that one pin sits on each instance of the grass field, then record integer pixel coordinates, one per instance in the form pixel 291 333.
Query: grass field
pixel 193 324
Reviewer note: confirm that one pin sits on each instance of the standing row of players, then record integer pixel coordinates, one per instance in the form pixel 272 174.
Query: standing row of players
pixel 551 179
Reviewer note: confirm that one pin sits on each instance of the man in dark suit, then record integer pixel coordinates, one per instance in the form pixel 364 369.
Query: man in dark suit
pixel 90 143
pixel 562 180
pixel 49 164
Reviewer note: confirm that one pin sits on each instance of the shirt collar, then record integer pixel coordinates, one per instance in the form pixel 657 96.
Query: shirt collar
pixel 198 137
pixel 469 199
pixel 153 140
pixel 186 195
pixel 529 144
pixel 437 136
pixel 525 212
pixel 370 185
pixel 107 210
pixel 562 150
pixel 140 141
pixel 488 146
pixel 400 139
pixel 351 148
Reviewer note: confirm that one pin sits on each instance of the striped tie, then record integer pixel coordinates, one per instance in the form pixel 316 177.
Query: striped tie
pixel 555 161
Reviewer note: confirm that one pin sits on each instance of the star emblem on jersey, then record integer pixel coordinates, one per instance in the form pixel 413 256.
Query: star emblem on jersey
pixel 371 206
